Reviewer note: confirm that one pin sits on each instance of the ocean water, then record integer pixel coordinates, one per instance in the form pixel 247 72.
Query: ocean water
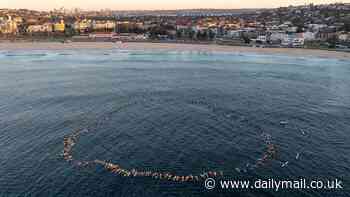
pixel 180 112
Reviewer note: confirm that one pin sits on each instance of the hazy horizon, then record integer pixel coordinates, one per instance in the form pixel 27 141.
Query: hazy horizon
pixel 156 4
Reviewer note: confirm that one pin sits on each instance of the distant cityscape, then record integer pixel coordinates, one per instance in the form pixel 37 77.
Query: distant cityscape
pixel 309 26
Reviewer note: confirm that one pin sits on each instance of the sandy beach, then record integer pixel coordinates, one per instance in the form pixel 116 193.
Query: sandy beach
pixel 173 47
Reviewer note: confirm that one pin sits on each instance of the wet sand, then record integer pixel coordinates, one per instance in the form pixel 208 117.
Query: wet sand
pixel 173 47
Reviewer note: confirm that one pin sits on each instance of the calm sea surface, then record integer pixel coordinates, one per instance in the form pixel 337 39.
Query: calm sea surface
pixel 180 112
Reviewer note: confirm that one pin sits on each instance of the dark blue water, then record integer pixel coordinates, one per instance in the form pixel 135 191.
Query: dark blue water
pixel 180 112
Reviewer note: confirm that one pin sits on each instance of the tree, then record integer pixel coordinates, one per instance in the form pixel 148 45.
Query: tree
pixel 245 38
pixel 332 41
pixel 179 34
pixel 211 34
pixel 69 31
pixel 191 34
pixel 347 26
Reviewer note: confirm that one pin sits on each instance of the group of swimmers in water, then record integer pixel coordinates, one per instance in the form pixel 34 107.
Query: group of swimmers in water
pixel 68 144
pixel 114 168
pixel 270 153
pixel 71 140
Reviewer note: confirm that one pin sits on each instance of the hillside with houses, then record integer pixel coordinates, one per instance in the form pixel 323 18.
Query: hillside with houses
pixel 311 26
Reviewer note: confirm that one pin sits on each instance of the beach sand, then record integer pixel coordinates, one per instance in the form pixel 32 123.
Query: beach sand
pixel 173 47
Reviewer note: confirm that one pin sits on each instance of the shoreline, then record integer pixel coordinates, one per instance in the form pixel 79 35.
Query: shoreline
pixel 174 47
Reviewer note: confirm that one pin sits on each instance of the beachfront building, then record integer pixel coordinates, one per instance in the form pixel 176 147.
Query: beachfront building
pixel 147 24
pixel 293 40
pixel 278 36
pixel 32 21
pixel 183 29
pixel 139 25
pixel 326 34
pixel 18 19
pixel 44 28
pixel 309 36
pixel 288 37
pixel 103 26
pixel 82 26
pixel 129 37
pixel 298 42
pixel 7 25
pixel 262 39
pixel 103 36
pixel 316 27
pixel 59 27
pixel 344 37
pixel 287 42
pixel 233 34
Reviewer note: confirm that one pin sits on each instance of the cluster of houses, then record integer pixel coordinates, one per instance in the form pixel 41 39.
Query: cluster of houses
pixel 8 25
pixel 287 35
pixel 288 26
pixel 17 26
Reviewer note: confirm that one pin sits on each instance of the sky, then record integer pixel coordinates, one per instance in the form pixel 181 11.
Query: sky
pixel 155 4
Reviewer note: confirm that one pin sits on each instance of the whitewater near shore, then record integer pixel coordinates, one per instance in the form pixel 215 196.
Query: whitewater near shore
pixel 173 47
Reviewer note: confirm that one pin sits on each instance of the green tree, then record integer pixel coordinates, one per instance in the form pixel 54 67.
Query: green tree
pixel 191 34
pixel 179 34
pixel 245 38
pixel 332 41
pixel 211 34
pixel 69 31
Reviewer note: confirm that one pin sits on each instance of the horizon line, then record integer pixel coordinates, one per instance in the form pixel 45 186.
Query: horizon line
pixel 176 9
